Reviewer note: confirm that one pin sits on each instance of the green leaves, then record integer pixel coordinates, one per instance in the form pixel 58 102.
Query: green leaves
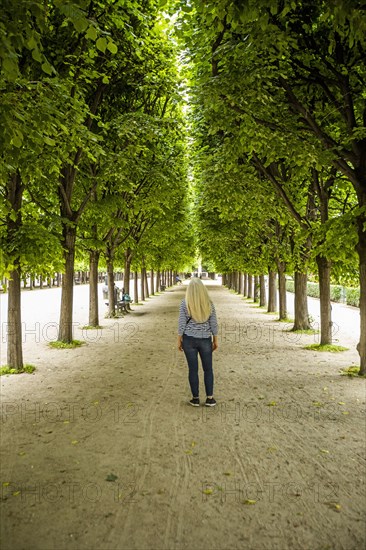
pixel 112 47
pixel 101 44
pixel 91 33
pixel 267 96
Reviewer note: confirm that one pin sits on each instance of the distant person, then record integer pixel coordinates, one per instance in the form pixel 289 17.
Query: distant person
pixel 197 335
pixel 178 280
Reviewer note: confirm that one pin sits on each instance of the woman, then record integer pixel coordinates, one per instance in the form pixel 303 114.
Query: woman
pixel 197 334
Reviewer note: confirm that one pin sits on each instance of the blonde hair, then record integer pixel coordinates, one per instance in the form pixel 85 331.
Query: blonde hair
pixel 198 301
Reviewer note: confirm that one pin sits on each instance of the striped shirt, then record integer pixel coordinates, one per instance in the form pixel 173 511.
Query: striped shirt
pixel 198 330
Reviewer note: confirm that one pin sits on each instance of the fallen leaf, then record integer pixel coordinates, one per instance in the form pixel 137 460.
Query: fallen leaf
pixel 334 506
pixel 324 451
pixel 74 442
pixel 271 404
pixel 341 403
pixel 111 477
pixel 248 501
pixel 207 491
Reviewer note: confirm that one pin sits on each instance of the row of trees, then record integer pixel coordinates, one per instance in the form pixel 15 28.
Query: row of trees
pixel 279 120
pixel 94 163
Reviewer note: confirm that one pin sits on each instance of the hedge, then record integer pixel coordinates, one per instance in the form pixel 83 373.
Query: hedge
pixel 351 296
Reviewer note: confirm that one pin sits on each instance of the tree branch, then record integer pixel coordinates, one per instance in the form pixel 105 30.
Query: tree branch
pixel 280 191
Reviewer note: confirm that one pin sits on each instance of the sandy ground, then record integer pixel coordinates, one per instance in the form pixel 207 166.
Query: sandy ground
pixel 100 450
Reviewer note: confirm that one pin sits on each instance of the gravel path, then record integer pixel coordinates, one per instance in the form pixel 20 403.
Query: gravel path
pixel 100 450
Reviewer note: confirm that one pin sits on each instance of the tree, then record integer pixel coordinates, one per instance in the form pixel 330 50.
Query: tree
pixel 282 67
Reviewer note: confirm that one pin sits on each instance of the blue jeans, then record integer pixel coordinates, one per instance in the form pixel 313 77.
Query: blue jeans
pixel 192 347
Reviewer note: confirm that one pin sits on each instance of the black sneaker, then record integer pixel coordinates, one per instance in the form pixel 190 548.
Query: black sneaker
pixel 195 402
pixel 210 402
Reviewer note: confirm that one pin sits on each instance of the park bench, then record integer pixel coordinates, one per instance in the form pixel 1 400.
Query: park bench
pixel 121 305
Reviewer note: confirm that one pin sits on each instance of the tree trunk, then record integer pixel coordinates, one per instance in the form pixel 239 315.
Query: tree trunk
pixel 324 268
pixel 14 336
pixel 250 286
pixel 256 288
pixel 112 298
pixel 245 289
pixel 136 287
pixel 146 284
pixel 158 275
pixel 361 250
pixel 93 289
pixel 240 289
pixel 142 284
pixel 67 291
pixel 152 284
pixel 272 292
pixel 301 302
pixel 282 290
pixel 127 270
pixel 262 291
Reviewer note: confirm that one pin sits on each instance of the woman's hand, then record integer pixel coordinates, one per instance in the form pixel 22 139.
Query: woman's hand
pixel 180 343
pixel 215 343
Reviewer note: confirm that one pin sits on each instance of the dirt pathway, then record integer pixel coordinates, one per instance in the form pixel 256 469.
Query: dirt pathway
pixel 101 451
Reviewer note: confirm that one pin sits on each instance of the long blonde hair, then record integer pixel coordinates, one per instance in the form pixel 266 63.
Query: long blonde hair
pixel 198 301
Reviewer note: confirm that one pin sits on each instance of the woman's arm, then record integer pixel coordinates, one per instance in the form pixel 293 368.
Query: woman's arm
pixel 182 322
pixel 180 343
pixel 214 328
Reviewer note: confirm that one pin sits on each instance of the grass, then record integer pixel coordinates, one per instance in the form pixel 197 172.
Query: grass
pixel 91 327
pixel 66 345
pixel 286 320
pixel 8 370
pixel 351 371
pixel 326 347
pixel 304 331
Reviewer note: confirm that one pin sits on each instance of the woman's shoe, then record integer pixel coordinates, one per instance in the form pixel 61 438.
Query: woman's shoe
pixel 210 402
pixel 195 402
